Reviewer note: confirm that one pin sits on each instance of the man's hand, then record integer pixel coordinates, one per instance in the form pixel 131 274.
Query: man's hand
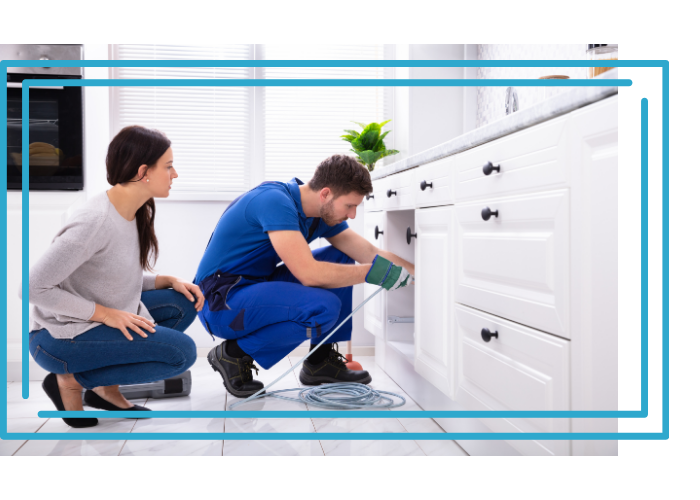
pixel 364 252
pixel 388 275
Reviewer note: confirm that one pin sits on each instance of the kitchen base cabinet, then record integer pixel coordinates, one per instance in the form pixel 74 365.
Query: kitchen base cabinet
pixel 515 301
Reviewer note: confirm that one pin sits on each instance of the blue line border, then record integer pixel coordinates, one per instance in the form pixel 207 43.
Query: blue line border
pixel 490 436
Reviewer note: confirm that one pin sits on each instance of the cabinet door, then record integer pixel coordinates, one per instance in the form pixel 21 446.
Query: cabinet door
pixel 375 309
pixel 516 264
pixel 434 349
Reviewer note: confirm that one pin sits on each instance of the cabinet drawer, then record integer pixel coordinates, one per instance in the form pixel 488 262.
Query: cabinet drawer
pixel 376 197
pixel 520 370
pixel 397 192
pixel 439 183
pixel 534 158
pixel 516 265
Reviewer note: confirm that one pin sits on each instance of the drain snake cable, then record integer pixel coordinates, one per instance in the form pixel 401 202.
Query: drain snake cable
pixel 336 396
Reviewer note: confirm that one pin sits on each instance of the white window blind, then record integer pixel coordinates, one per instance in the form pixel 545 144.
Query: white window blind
pixel 228 139
pixel 210 127
pixel 303 125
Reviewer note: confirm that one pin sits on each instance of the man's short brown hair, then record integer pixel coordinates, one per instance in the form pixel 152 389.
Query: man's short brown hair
pixel 342 174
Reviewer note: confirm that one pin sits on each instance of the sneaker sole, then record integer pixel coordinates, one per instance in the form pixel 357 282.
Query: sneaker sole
pixel 314 380
pixel 216 366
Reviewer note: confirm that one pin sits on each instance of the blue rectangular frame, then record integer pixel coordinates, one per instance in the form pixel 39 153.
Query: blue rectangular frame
pixel 643 413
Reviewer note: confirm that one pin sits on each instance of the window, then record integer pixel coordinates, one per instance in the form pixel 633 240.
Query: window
pixel 226 140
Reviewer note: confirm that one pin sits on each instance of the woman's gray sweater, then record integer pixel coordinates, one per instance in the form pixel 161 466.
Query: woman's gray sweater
pixel 93 259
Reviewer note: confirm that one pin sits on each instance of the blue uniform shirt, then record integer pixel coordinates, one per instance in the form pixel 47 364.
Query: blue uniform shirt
pixel 240 244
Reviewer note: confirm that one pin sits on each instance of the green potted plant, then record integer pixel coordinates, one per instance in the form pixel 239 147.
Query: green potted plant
pixel 368 145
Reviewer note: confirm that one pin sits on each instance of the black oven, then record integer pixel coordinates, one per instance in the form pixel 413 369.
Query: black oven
pixel 55 122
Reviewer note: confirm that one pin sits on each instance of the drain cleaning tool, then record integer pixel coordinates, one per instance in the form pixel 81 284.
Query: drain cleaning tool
pixel 338 396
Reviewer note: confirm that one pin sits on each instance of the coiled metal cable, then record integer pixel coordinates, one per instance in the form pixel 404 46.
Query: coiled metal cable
pixel 337 396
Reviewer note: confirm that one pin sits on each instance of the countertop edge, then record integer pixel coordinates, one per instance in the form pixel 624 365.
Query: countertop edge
pixel 541 112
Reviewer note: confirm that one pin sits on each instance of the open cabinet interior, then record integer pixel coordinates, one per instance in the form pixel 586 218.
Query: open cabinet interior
pixel 400 304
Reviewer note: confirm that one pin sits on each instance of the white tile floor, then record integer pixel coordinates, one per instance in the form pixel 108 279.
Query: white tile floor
pixel 209 394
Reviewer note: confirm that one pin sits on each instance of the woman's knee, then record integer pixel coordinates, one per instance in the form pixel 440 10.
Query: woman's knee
pixel 182 349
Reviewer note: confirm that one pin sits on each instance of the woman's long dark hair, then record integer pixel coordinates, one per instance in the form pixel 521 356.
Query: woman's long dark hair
pixel 132 147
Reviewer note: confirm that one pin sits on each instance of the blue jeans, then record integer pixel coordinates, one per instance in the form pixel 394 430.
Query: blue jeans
pixel 271 318
pixel 103 356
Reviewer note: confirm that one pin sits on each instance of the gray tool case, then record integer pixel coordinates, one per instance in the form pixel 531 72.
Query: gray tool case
pixel 174 387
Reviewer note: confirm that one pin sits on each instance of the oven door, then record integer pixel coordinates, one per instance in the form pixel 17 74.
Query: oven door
pixel 55 136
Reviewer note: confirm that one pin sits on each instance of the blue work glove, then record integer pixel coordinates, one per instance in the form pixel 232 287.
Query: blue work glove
pixel 387 275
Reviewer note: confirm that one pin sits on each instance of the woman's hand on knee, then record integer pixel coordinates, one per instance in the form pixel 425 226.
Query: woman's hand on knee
pixel 122 320
pixel 189 290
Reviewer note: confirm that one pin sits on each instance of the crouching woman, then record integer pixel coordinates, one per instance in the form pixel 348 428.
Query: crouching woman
pixel 98 321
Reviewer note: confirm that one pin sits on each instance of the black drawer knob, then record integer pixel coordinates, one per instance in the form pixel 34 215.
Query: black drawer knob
pixel 490 167
pixel 377 232
pixel 410 235
pixel 487 213
pixel 486 334
pixel 424 185
pixel 369 196
pixel 389 193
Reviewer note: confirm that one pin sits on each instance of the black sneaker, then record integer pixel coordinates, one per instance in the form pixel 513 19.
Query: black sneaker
pixel 332 370
pixel 236 372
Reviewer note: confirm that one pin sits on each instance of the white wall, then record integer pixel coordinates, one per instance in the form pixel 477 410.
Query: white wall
pixel 491 100
pixel 427 116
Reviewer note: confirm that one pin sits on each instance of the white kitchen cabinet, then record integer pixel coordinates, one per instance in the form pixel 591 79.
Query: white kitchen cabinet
pixel 534 158
pixel 516 263
pixel 375 309
pixel 528 251
pixel 434 352
pixel 504 366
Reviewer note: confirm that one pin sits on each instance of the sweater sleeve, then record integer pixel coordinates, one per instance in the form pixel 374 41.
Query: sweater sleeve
pixel 71 247
pixel 149 282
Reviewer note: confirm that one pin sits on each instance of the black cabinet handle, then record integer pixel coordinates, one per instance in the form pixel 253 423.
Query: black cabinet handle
pixel 410 235
pixel 487 213
pixel 490 167
pixel 389 193
pixel 369 196
pixel 424 185
pixel 486 334
pixel 377 232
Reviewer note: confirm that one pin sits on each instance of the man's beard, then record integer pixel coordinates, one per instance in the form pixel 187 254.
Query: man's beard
pixel 328 214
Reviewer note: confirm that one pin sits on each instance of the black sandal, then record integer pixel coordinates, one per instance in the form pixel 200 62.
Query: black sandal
pixel 91 398
pixel 50 386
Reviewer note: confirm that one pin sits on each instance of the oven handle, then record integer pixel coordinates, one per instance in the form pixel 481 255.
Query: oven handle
pixel 18 85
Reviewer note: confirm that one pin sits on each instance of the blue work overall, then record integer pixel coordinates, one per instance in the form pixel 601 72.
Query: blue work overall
pixel 267 309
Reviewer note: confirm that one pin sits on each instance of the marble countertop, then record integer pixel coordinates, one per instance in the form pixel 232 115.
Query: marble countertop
pixel 555 106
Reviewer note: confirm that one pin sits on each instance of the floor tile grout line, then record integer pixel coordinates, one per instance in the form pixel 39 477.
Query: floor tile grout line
pixel 131 431
pixel 307 406
pixel 38 429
